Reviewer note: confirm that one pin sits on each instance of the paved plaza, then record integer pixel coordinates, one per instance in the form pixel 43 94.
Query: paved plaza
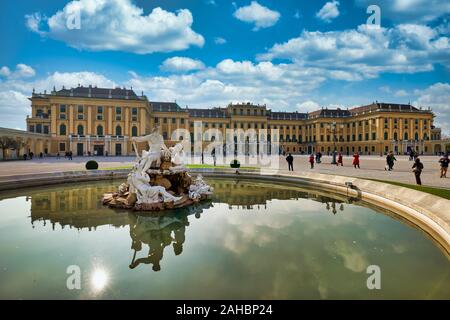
pixel 371 167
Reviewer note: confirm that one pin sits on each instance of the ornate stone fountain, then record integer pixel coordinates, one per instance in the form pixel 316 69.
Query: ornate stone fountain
pixel 158 180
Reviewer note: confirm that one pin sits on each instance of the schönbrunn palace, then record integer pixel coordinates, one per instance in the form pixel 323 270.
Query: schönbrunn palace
pixel 96 121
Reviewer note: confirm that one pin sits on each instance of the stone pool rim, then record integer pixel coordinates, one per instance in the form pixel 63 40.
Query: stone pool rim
pixel 427 212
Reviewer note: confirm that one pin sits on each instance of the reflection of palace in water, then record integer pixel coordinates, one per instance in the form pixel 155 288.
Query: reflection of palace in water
pixel 81 208
pixel 242 194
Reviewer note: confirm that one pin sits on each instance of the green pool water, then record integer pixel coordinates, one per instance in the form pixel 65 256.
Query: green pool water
pixel 253 240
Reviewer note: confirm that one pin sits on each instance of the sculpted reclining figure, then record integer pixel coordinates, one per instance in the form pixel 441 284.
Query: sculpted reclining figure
pixel 139 182
pixel 152 157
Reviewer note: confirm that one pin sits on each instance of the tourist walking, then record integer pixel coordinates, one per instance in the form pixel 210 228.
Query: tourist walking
pixel 339 160
pixel 70 155
pixel 390 158
pixel 290 161
pixel 417 169
pixel 311 160
pixel 444 165
pixel 356 160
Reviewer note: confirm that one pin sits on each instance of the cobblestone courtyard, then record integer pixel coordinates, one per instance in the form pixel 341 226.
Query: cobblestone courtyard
pixel 371 167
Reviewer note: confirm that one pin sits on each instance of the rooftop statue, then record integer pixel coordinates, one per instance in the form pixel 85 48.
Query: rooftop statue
pixel 158 180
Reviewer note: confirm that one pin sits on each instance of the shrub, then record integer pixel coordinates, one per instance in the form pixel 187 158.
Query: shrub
pixel 91 165
pixel 235 164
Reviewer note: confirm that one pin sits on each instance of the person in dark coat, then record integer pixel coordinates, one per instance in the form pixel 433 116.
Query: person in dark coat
pixel 444 161
pixel 356 160
pixel 390 158
pixel 417 169
pixel 290 161
pixel 311 160
pixel 339 160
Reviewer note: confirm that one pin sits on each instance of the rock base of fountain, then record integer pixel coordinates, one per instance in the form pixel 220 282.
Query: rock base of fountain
pixel 158 181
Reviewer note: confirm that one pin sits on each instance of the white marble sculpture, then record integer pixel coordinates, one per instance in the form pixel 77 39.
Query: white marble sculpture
pixel 154 171
pixel 199 189
pixel 175 154
pixel 152 157
pixel 139 183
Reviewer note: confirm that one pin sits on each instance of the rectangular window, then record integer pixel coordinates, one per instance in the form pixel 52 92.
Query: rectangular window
pixel 174 120
pixel 31 128
pixel 62 108
pixel 165 120
pixel 99 117
pixel 80 109
pixel 156 120
pixel 80 116
pixel 374 136
pixel 62 146
pixel 118 110
pixel 182 120
pixel 134 111
pixel 62 116
pixel 99 109
pixel 118 117
pixel 367 136
pixel 45 129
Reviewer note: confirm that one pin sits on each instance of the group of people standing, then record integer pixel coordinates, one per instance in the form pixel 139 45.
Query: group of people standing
pixel 417 167
pixel 30 155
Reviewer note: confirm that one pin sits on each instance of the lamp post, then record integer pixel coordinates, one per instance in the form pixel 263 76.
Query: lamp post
pixel 333 129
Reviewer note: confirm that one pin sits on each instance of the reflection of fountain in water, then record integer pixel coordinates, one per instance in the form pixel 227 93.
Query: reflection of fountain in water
pixel 80 208
pixel 160 232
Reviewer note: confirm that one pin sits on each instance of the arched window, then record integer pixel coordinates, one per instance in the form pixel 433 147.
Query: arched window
pixel 39 128
pixel 62 130
pixel 425 136
pixel 395 136
pixel 99 130
pixel 118 131
pixel 134 131
pixel 385 135
pixel 80 130
pixel 405 136
pixel 416 136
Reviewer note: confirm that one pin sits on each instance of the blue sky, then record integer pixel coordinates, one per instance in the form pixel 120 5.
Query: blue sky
pixel 291 55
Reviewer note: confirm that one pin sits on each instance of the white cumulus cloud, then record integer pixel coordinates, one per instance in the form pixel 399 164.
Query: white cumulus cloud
pixel 118 25
pixel 437 96
pixel 21 71
pixel 409 10
pixel 329 11
pixel 177 64
pixel 14 92
pixel 260 16
pixel 219 40
pixel 363 53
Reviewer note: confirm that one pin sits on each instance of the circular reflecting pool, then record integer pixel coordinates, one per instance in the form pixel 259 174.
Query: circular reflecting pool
pixel 252 241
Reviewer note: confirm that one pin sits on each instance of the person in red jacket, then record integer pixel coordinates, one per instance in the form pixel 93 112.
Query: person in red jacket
pixel 339 160
pixel 311 160
pixel 356 160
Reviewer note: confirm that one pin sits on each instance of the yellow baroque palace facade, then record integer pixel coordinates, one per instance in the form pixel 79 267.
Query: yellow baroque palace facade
pixel 100 121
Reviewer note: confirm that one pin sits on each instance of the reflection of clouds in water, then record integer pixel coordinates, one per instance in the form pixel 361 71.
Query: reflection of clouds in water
pixel 372 235
pixel 354 257
pixel 399 248
pixel 352 216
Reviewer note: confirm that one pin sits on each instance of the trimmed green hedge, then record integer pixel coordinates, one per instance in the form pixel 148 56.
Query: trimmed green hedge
pixel 91 165
pixel 235 164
